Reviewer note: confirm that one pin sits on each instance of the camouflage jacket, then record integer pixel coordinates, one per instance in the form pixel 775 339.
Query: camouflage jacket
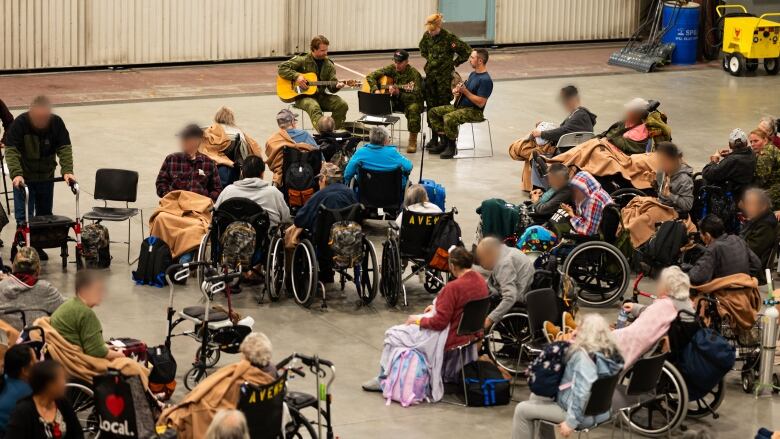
pixel 290 69
pixel 443 53
pixel 768 173
pixel 410 74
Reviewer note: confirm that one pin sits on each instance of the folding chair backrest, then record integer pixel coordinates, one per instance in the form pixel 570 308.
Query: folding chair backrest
pixel 116 185
pixel 601 392
pixel 416 232
pixel 473 318
pixel 610 222
pixel 263 407
pixel 541 305
pixel 570 140
pixel 380 189
pixel 374 104
pixel 327 217
pixel 645 374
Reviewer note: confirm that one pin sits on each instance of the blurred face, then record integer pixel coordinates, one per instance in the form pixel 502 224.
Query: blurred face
pixel 765 127
pixel 557 181
pixel 757 143
pixel 40 117
pixel 25 374
pixel 633 116
pixel 92 295
pixel 56 388
pixel 668 164
pixel 321 52
pixel 752 206
pixel 400 66
pixel 189 145
pixel 434 30
pixel 569 104
pixel 487 257
pixel 662 290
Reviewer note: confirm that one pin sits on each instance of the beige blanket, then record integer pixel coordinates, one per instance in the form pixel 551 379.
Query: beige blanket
pixel 601 159
pixel 738 299
pixel 522 149
pixel 642 214
pixel 181 220
pixel 216 141
pixel 274 152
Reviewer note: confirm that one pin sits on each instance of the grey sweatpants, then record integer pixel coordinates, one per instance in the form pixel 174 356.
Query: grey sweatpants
pixel 537 407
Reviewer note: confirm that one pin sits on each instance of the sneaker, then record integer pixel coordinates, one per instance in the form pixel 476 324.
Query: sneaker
pixel 550 331
pixel 569 324
pixel 372 385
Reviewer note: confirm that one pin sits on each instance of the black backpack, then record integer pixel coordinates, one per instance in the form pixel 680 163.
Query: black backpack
pixel 485 386
pixel 154 259
pixel 300 172
pixel 546 371
pixel 663 249
pixel 446 233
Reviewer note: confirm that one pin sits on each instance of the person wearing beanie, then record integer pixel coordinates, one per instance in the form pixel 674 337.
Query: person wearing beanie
pixel 23 290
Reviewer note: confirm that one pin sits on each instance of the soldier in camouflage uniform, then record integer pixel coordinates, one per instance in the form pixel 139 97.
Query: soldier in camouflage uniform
pixel 473 96
pixel 767 165
pixel 443 52
pixel 316 61
pixel 409 100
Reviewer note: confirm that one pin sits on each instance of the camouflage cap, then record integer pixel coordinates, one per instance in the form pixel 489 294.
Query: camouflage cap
pixel 26 261
pixel 331 172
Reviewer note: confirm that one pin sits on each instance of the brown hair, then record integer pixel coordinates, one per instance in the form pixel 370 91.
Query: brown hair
pixel 225 116
pixel 461 258
pixel 40 101
pixel 317 41
pixel 86 278
pixel 760 133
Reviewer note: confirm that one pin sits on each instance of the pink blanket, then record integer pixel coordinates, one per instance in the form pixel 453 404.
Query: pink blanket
pixel 637 338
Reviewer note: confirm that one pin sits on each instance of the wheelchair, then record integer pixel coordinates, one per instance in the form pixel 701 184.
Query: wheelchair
pixel 408 245
pixel 374 191
pixel 299 176
pixel 716 200
pixel 313 253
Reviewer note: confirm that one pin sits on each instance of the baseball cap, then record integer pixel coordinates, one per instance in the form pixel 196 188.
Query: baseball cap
pixel 286 116
pixel 330 171
pixel 636 104
pixel 191 130
pixel 400 55
pixel 738 135
pixel 26 261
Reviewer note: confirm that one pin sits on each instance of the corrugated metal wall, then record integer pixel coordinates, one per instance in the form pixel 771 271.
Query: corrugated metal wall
pixel 533 21
pixel 69 33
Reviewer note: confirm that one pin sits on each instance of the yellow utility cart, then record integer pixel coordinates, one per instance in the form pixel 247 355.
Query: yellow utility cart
pixel 747 39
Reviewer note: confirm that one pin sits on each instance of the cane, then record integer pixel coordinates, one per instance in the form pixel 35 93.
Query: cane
pixel 422 159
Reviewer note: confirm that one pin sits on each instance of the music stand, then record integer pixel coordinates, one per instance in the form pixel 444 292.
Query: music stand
pixel 377 110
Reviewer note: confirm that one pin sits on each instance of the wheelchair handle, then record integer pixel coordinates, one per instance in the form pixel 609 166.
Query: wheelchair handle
pixel 21 313
pixel 30 329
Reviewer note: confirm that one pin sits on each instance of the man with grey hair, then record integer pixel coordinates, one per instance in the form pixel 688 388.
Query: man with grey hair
pixel 511 275
pixel 378 155
pixel 288 135
pixel 228 424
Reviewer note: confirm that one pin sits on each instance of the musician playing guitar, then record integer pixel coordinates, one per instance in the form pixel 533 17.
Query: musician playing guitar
pixel 404 83
pixel 316 61
pixel 470 100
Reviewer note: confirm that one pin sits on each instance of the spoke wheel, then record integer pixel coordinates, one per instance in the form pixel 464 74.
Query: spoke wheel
pixel 299 427
pixel 82 399
pixel 600 272
pixel 194 376
pixel 434 281
pixel 708 403
pixel 390 282
pixel 666 411
pixel 368 274
pixel 274 269
pixel 212 356
pixel 505 342
pixel 304 273
pixel 205 254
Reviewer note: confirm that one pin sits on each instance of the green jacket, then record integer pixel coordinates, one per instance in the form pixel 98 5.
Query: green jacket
pixel 410 74
pixel 290 69
pixel 615 136
pixel 78 324
pixel 443 53
pixel 768 173
pixel 33 154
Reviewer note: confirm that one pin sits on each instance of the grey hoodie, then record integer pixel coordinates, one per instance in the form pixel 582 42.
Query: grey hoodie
pixel 262 193
pixel 15 294
pixel 511 278
pixel 681 188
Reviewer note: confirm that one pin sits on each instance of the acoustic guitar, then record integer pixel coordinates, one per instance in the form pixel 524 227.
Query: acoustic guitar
pixel 384 84
pixel 456 81
pixel 288 90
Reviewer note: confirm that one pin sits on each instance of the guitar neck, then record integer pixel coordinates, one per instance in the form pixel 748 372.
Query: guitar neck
pixel 323 82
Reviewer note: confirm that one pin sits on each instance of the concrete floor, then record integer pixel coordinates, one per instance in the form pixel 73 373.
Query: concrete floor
pixel 702 105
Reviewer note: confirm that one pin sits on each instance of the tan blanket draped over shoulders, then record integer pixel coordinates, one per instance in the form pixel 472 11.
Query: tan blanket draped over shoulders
pixel 181 220
pixel 274 152
pixel 640 216
pixel 80 365
pixel 738 299
pixel 601 159
pixel 522 149
pixel 219 391
pixel 216 141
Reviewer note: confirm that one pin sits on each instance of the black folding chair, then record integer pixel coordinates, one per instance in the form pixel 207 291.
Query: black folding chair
pixel 600 401
pixel 377 109
pixel 116 185
pixel 541 305
pixel 381 191
pixel 471 324
pixel 643 380
pixel 263 407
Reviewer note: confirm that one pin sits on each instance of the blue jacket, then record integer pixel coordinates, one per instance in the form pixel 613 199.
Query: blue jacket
pixel 580 373
pixel 333 196
pixel 13 390
pixel 301 136
pixel 377 158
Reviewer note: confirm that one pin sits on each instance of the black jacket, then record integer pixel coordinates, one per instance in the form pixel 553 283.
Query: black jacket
pixel 25 424
pixel 727 255
pixel 580 119
pixel 546 209
pixel 735 172
pixel 761 236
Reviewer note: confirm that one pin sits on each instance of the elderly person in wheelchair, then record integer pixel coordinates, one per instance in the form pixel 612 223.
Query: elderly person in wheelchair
pixel 416 201
pixel 511 275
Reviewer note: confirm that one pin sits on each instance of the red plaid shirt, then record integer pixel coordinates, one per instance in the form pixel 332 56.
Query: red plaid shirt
pixel 179 172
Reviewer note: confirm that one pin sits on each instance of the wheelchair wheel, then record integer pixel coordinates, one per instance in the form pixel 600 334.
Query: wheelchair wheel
pixel 274 269
pixel 505 342
pixel 623 196
pixel 304 276
pixel 194 376
pixel 82 399
pixel 299 427
pixel 390 282
pixel 205 255
pixel 434 281
pixel 664 413
pixel 709 403
pixel 212 356
pixel 599 270
pixel 369 273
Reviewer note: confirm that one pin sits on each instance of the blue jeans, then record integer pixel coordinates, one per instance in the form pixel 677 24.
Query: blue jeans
pixel 40 203
pixel 228 175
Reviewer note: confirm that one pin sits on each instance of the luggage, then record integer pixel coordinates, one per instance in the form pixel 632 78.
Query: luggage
pixel 300 172
pixel 122 408
pixel 706 359
pixel 546 371
pixel 485 385
pixel 408 380
pixel 162 378
pixel 154 259
pixel 446 233
pixel 95 242
pixel 346 244
pixel 238 244
pixel 663 249
pixel 436 192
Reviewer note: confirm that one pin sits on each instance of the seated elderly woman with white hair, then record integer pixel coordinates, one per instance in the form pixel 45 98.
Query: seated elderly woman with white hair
pixel 377 155
pixel 220 391
pixel 416 200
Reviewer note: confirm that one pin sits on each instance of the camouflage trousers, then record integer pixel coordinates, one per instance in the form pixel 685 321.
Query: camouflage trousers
pixel 314 106
pixel 446 119
pixel 438 92
pixel 413 112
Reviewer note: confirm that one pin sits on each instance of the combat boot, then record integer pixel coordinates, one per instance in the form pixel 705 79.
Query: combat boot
pixel 450 149
pixel 411 148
